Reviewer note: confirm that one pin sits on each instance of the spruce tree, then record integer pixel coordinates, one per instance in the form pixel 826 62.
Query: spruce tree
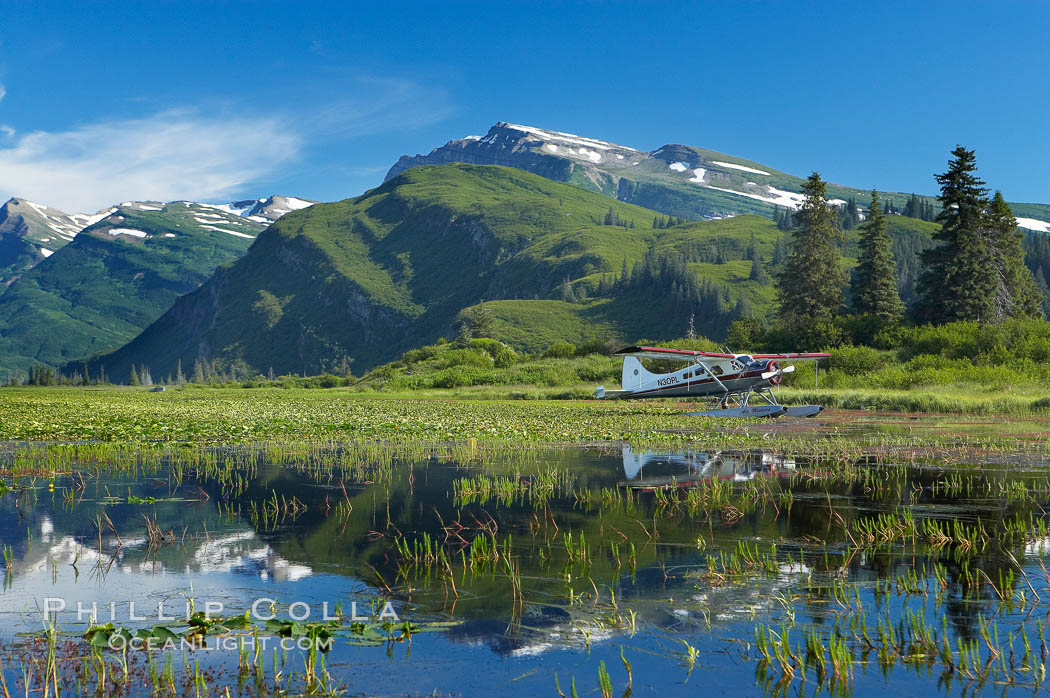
pixel 758 272
pixel 1016 294
pixel 481 321
pixel 809 286
pixel 957 282
pixel 1044 290
pixel 779 252
pixel 874 287
pixel 134 378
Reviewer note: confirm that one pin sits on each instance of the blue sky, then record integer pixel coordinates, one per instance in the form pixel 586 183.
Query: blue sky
pixel 104 102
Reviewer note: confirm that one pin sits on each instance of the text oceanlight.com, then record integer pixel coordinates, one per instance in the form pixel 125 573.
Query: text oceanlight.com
pixel 261 610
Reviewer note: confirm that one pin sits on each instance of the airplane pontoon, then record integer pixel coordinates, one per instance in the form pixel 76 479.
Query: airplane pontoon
pixel 733 379
pixel 686 468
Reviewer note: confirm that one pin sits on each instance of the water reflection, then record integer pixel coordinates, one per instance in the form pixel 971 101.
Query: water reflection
pixel 652 552
pixel 648 469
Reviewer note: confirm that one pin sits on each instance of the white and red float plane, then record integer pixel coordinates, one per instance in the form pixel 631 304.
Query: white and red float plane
pixel 732 378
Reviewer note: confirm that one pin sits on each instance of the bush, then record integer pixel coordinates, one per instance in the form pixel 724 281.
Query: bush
pixel 455 377
pixel 598 369
pixel 416 355
pixel 467 357
pixel 745 334
pixel 605 347
pixel 502 355
pixel 560 350
pixel 854 361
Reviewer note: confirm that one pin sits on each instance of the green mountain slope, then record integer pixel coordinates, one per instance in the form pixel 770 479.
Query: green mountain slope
pixel 678 180
pixel 30 233
pixel 368 278
pixel 113 279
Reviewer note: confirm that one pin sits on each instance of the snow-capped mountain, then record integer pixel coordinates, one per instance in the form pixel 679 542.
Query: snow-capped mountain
pixel 31 232
pixel 674 179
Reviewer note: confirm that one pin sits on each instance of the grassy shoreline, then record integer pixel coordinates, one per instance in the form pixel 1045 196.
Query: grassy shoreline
pixel 52 430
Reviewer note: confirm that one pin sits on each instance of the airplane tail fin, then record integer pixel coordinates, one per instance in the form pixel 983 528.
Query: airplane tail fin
pixel 634 374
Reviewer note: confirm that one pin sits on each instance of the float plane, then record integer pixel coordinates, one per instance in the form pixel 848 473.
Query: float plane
pixel 731 378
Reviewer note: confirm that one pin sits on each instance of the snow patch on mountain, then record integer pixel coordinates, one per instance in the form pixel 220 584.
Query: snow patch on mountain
pixel 742 168
pixel 778 197
pixel 1033 224
pixel 128 231
pixel 679 166
pixel 225 230
pixel 698 175
pixel 562 137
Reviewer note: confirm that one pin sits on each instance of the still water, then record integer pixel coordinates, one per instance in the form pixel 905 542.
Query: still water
pixel 532 566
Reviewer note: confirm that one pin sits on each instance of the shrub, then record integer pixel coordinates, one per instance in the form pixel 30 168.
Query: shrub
pixel 560 350
pixel 598 369
pixel 604 347
pixel 745 334
pixel 854 361
pixel 502 355
pixel 416 355
pixel 455 377
pixel 467 357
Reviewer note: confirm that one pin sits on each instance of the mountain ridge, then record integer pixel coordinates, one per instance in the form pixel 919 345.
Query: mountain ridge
pixel 674 179
pixel 115 276
pixel 365 279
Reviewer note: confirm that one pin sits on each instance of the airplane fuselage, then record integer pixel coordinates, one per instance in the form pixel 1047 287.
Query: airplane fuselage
pixel 697 380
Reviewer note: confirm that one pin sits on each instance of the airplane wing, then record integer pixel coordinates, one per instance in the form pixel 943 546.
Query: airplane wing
pixel 664 353
pixel 690 355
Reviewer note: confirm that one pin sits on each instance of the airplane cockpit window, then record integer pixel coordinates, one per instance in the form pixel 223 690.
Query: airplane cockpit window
pixel 744 359
pixel 717 370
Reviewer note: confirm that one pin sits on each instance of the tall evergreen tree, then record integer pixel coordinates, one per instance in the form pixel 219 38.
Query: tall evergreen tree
pixel 482 321
pixel 874 287
pixel 751 254
pixel 1044 289
pixel 758 272
pixel 850 216
pixel 809 286
pixel 957 282
pixel 1016 294
pixel 779 252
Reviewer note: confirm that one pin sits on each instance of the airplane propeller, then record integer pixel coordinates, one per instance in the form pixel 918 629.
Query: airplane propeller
pixel 780 371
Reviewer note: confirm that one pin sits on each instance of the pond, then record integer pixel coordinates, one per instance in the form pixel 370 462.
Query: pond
pixel 611 569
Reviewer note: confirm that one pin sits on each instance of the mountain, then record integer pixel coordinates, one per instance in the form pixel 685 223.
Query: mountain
pixel 107 282
pixel 678 180
pixel 368 278
pixel 31 232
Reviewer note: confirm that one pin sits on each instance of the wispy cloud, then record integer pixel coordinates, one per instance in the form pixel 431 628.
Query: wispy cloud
pixel 188 154
pixel 3 92
pixel 172 155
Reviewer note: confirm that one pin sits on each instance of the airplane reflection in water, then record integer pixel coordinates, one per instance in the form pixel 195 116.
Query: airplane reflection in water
pixel 683 468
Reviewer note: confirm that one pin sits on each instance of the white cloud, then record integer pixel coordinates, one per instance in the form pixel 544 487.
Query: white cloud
pixel 3 92
pixel 176 154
